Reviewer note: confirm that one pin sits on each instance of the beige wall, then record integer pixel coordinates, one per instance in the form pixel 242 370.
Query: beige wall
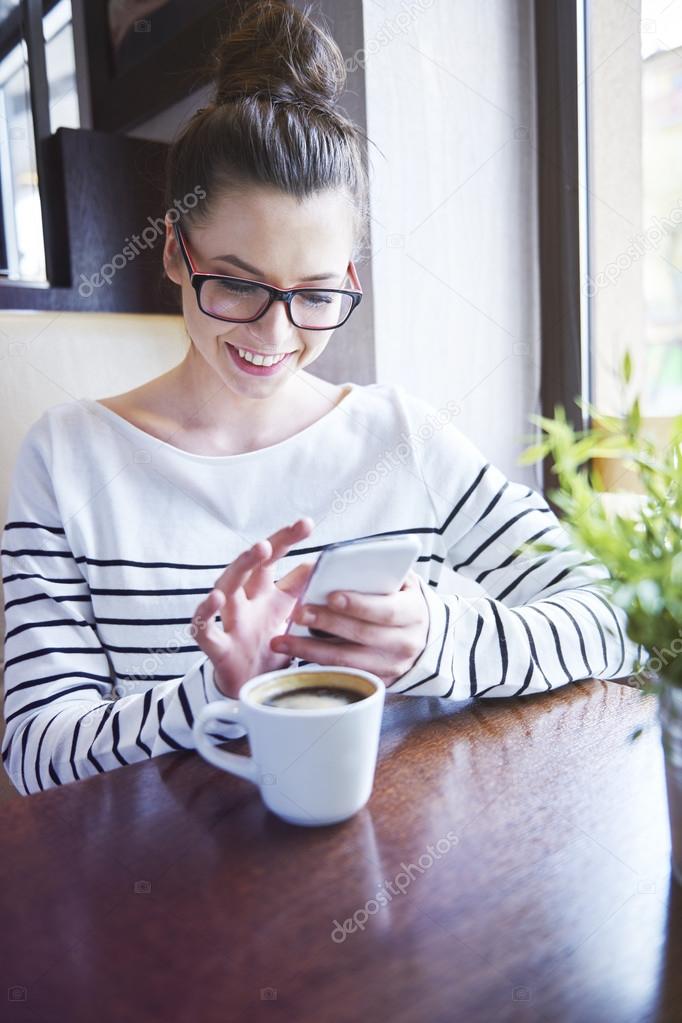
pixel 48 358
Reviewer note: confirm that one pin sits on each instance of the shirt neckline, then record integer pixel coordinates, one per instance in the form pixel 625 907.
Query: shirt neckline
pixel 124 424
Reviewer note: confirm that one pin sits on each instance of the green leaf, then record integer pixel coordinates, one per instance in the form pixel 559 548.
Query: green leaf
pixel 627 367
pixel 533 454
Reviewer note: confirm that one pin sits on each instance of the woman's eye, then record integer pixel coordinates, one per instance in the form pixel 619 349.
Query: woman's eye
pixel 235 289
pixel 318 298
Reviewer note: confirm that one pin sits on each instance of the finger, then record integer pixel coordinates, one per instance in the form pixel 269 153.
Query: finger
pixel 283 539
pixel 281 542
pixel 294 582
pixel 343 655
pixel 399 608
pixel 239 570
pixel 353 629
pixel 209 636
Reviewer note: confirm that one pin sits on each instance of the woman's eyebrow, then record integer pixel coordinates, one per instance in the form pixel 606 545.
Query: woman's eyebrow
pixel 236 261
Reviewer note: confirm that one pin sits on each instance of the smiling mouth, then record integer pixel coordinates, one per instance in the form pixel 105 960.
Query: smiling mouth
pixel 260 359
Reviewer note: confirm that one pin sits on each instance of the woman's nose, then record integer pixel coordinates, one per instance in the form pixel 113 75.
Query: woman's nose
pixel 275 323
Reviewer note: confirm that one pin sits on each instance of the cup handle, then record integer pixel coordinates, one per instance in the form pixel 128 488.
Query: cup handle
pixel 222 712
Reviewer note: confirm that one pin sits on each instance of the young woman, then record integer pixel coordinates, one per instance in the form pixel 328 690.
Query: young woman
pixel 157 540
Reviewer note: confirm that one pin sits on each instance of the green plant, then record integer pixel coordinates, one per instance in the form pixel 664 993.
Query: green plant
pixel 642 549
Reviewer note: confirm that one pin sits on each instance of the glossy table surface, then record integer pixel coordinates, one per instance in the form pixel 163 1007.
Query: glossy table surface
pixel 524 844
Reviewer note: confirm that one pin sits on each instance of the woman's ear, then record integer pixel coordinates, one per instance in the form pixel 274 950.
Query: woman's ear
pixel 172 257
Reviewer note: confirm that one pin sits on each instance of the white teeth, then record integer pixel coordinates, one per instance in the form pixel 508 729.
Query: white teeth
pixel 261 360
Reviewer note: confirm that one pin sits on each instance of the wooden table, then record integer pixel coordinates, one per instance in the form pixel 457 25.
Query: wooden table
pixel 165 890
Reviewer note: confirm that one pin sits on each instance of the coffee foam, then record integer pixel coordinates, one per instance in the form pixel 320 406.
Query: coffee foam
pixel 308 680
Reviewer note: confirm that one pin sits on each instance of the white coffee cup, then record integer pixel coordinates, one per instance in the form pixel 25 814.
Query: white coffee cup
pixel 312 766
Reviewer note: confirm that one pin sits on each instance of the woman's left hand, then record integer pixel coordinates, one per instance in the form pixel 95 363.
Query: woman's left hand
pixel 384 633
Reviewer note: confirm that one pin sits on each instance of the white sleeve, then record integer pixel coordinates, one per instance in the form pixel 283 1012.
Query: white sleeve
pixel 542 621
pixel 63 721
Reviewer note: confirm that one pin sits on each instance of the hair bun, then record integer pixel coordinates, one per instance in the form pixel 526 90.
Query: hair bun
pixel 276 51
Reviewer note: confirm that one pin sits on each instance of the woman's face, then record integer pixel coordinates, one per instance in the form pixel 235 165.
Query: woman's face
pixel 283 241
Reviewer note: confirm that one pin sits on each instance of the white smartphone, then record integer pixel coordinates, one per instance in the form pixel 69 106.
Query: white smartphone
pixel 367 565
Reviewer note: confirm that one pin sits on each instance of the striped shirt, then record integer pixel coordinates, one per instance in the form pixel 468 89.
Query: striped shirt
pixel 113 537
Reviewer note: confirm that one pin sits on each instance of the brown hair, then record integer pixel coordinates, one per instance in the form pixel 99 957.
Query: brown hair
pixel 274 119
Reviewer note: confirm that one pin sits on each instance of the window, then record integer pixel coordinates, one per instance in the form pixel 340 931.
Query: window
pixel 21 227
pixel 633 284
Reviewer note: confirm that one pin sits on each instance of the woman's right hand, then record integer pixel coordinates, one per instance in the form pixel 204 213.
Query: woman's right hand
pixel 253 608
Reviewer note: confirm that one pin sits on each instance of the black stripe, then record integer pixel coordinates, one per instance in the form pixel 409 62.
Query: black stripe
pixel 143 621
pixel 72 758
pixel 512 557
pixel 37 575
pixel 132 677
pixel 464 498
pixel 203 682
pixel 49 699
pixel 24 743
pixel 581 641
pixel 117 735
pixel 46 625
pixel 531 643
pixel 34 525
pixel 440 657
pixel 90 755
pixel 502 641
pixel 116 592
pixel 557 578
pixel 494 536
pixel 55 678
pixel 526 681
pixel 52 650
pixel 184 703
pixel 164 734
pixel 192 648
pixel 145 712
pixel 606 604
pixel 524 575
pixel 38 552
pixel 494 501
pixel 43 596
pixel 40 746
pixel 473 680
pixel 597 623
pixel 557 641
pixel 53 774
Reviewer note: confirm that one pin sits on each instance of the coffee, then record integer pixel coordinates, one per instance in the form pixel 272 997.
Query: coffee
pixel 313 698
pixel 313 691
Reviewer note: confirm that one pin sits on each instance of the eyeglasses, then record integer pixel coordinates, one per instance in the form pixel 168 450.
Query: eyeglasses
pixel 239 300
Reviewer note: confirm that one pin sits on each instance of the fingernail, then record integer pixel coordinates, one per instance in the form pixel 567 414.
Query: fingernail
pixel 308 616
pixel 280 644
pixel 339 600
